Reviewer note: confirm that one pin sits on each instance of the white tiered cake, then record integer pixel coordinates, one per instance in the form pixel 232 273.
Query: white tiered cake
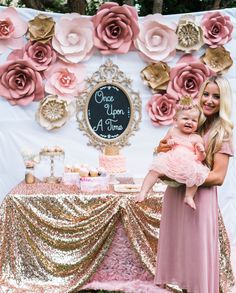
pixel 112 161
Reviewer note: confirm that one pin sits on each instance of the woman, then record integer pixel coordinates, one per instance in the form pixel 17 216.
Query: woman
pixel 188 253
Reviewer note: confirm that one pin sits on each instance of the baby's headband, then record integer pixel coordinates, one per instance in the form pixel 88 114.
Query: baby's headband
pixel 185 103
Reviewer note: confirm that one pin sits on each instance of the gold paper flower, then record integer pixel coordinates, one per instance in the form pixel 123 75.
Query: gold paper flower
pixel 217 59
pixel 53 112
pixel 41 28
pixel 189 34
pixel 156 76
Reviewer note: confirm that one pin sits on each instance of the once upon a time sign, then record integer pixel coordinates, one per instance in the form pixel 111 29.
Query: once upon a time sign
pixel 109 111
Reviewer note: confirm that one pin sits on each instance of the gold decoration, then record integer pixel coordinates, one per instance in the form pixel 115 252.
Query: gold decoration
pixel 190 36
pixel 53 112
pixel 53 237
pixel 217 59
pixel 109 75
pixel 41 28
pixel 156 76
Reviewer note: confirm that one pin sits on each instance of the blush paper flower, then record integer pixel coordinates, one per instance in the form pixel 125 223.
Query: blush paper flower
pixel 217 29
pixel 41 28
pixel 65 80
pixel 161 109
pixel 73 38
pixel 40 54
pixel 187 77
pixel 116 27
pixel 157 39
pixel 12 29
pixel 20 83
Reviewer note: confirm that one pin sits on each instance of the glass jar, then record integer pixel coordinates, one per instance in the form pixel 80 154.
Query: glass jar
pixel 29 175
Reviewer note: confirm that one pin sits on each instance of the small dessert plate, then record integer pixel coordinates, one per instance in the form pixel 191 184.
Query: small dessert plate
pixel 127 188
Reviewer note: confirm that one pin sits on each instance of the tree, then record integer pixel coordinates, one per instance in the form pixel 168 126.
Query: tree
pixel 76 6
pixel 157 6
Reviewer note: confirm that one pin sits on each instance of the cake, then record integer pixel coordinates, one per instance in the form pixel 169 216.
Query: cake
pixel 112 161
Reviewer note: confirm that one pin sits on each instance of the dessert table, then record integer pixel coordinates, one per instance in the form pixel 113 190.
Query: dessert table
pixel 56 239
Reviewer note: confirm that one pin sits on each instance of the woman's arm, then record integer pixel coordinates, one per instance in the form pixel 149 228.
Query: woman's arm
pixel 217 174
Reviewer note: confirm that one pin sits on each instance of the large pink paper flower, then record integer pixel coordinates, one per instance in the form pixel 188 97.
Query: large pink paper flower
pixel 12 29
pixel 20 83
pixel 116 27
pixel 157 39
pixel 40 54
pixel 187 76
pixel 73 38
pixel 64 80
pixel 217 29
pixel 161 109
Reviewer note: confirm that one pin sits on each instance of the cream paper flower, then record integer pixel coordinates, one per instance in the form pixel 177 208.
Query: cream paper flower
pixel 53 112
pixel 189 34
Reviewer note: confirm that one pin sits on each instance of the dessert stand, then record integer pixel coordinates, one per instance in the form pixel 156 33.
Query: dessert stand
pixel 52 155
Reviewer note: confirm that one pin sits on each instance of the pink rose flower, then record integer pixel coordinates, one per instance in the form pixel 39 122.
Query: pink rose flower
pixel 73 38
pixel 116 27
pixel 41 55
pixel 217 29
pixel 186 77
pixel 20 83
pixel 12 29
pixel 157 39
pixel 161 109
pixel 64 80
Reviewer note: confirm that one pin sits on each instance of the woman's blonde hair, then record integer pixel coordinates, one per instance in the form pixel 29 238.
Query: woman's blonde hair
pixel 221 125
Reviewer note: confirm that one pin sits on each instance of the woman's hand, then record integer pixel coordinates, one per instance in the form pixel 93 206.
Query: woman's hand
pixel 162 147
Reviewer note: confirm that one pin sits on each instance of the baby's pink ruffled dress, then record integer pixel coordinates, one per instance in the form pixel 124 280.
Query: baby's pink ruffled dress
pixel 181 164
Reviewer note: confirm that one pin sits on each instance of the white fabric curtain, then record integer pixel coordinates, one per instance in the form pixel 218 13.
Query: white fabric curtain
pixel 19 129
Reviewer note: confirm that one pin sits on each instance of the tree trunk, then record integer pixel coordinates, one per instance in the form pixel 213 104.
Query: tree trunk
pixel 76 6
pixel 157 6
pixel 216 5
pixel 34 4
pixel 129 2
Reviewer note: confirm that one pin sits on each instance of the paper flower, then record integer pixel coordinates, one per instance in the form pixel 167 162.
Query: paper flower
pixel 156 76
pixel 116 27
pixel 161 109
pixel 41 55
pixel 157 39
pixel 20 83
pixel 53 112
pixel 64 79
pixel 217 29
pixel 217 59
pixel 12 30
pixel 187 77
pixel 189 34
pixel 73 38
pixel 41 28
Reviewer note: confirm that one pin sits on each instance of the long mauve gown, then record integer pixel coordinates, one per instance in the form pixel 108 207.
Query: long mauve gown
pixel 188 253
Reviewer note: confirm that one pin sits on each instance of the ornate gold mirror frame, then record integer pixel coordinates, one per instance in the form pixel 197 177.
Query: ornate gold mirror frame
pixel 108 94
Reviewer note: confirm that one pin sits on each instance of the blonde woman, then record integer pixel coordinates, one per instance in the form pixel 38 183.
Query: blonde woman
pixel 188 252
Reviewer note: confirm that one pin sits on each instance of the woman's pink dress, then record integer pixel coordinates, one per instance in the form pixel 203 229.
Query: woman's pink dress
pixel 181 164
pixel 188 253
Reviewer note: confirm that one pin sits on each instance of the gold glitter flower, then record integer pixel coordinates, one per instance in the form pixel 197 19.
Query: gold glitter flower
pixel 189 34
pixel 41 28
pixel 217 59
pixel 53 112
pixel 156 76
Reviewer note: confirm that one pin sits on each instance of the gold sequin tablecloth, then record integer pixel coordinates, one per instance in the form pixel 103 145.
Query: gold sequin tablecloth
pixel 54 239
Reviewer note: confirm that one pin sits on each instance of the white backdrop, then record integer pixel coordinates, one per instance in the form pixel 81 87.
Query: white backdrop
pixel 18 128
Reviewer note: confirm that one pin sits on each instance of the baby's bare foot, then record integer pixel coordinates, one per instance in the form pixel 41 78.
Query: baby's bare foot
pixel 139 198
pixel 189 201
